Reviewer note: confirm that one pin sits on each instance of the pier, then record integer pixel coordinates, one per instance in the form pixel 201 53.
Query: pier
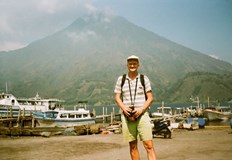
pixel 22 124
pixel 105 117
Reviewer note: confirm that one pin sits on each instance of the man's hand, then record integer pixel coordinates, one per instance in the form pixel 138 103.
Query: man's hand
pixel 138 112
pixel 128 111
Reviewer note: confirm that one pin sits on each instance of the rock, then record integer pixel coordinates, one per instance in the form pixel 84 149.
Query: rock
pixel 81 130
pixel 69 132
pixel 46 134
pixel 94 129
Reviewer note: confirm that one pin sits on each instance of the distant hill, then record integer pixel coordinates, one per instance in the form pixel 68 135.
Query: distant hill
pixel 83 61
pixel 203 85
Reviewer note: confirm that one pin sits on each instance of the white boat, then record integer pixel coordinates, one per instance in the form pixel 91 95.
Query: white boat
pixel 28 105
pixel 8 100
pixel 162 112
pixel 39 104
pixel 9 105
pixel 64 118
pixel 8 111
pixel 217 113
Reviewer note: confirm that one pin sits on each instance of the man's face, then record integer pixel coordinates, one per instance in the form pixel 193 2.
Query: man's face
pixel 132 65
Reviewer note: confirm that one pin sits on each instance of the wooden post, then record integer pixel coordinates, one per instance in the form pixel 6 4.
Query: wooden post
pixel 11 115
pixel 18 120
pixel 94 112
pixel 103 114
pixel 23 112
pixel 162 109
pixel 111 117
pixel 113 113
pixel 32 122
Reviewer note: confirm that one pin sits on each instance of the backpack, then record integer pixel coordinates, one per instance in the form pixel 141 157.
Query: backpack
pixel 141 81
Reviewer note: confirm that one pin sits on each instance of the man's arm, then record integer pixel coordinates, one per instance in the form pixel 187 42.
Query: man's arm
pixel 118 100
pixel 148 102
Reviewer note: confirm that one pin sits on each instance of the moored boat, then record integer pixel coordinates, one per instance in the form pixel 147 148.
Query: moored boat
pixel 39 104
pixel 28 105
pixel 217 113
pixel 64 118
pixel 162 112
pixel 9 105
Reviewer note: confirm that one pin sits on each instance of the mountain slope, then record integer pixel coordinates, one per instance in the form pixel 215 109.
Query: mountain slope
pixel 83 61
pixel 202 85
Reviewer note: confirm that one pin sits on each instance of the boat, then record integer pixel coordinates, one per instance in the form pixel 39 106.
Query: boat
pixel 217 113
pixel 8 102
pixel 191 123
pixel 9 105
pixel 64 118
pixel 8 99
pixel 162 112
pixel 9 111
pixel 39 104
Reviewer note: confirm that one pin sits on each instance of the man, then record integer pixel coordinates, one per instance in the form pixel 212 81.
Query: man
pixel 133 102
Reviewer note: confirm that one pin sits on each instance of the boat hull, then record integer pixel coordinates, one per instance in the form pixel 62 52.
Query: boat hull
pixel 216 115
pixel 63 123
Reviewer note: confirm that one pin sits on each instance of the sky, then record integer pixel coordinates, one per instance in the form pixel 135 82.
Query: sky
pixel 202 25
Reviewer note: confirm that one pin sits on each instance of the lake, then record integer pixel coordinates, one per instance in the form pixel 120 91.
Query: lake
pixel 114 108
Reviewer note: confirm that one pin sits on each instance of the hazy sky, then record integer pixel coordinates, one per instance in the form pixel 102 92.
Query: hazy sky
pixel 202 25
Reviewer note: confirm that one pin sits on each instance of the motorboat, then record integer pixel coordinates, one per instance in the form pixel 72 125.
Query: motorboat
pixel 217 113
pixel 64 118
pixel 39 104
pixel 9 103
pixel 162 112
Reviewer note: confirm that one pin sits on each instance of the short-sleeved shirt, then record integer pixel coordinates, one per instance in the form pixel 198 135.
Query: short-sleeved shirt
pixel 138 99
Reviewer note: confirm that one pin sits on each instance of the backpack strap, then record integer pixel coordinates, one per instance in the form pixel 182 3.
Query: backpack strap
pixel 122 83
pixel 123 80
pixel 143 84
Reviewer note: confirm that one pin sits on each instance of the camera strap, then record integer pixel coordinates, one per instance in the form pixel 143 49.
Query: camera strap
pixel 132 103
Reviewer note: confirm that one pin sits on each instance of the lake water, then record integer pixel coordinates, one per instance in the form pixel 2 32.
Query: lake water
pixel 114 108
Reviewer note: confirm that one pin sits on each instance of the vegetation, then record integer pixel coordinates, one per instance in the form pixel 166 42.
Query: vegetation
pixel 84 60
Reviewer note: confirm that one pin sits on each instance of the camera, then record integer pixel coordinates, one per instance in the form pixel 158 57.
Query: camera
pixel 131 117
pixel 132 110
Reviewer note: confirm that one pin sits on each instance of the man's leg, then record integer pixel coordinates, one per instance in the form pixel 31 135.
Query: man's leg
pixel 134 152
pixel 151 155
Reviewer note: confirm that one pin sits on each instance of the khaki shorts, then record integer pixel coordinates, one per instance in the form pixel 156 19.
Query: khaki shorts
pixel 141 127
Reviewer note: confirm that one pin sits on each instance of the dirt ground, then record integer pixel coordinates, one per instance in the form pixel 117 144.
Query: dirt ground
pixel 209 143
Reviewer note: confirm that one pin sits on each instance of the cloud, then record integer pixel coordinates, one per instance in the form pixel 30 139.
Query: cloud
pixel 103 15
pixel 82 36
pixel 90 8
pixel 24 21
pixel 214 56
pixel 48 6
pixel 10 45
pixel 5 26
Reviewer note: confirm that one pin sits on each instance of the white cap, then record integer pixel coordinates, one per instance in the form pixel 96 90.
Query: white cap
pixel 133 57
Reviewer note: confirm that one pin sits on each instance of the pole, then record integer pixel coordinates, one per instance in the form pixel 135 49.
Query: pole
pixel 103 112
pixel 162 109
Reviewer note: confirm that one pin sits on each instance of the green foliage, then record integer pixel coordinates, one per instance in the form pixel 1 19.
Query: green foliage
pixel 203 85
pixel 83 62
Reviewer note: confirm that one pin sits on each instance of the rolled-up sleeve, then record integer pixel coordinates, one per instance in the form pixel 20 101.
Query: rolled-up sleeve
pixel 117 88
pixel 147 84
